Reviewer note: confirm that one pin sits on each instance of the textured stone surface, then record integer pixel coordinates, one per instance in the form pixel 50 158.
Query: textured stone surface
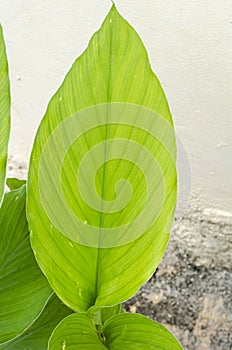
pixel 206 234
pixel 193 301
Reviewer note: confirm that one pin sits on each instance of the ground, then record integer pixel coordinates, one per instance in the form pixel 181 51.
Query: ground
pixel 191 291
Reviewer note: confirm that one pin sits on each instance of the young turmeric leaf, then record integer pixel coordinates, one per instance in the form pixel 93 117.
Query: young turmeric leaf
pixel 102 177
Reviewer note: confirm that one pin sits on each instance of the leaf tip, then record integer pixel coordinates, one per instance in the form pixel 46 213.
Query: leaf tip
pixel 113 5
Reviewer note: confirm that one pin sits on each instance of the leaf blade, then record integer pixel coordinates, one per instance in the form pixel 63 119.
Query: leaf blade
pixel 123 331
pixel 134 331
pixel 76 329
pixel 37 336
pixel 14 183
pixel 83 276
pixel 4 113
pixel 23 289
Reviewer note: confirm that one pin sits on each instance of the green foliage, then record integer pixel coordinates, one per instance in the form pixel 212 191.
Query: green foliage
pixel 36 337
pixel 101 314
pixel 14 183
pixel 124 331
pixel 101 196
pixel 101 272
pixel 23 289
pixel 4 112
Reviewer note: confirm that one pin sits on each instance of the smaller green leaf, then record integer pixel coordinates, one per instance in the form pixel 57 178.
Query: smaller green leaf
pixel 133 331
pixel 4 112
pixel 23 289
pixel 101 314
pixel 37 336
pixel 108 312
pixel 14 183
pixel 123 331
pixel 76 331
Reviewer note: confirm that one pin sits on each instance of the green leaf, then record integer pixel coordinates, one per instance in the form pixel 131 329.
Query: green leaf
pixel 23 289
pixel 101 314
pixel 14 183
pixel 76 330
pixel 124 331
pixel 102 177
pixel 37 336
pixel 4 113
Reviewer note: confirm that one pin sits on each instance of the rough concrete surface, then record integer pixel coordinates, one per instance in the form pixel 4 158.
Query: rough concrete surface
pixel 191 291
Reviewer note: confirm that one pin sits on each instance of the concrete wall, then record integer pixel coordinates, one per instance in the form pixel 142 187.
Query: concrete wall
pixel 190 48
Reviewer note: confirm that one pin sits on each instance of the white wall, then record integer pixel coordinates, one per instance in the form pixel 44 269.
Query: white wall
pixel 190 48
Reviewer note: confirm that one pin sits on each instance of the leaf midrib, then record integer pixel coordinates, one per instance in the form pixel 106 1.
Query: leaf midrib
pixel 109 92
